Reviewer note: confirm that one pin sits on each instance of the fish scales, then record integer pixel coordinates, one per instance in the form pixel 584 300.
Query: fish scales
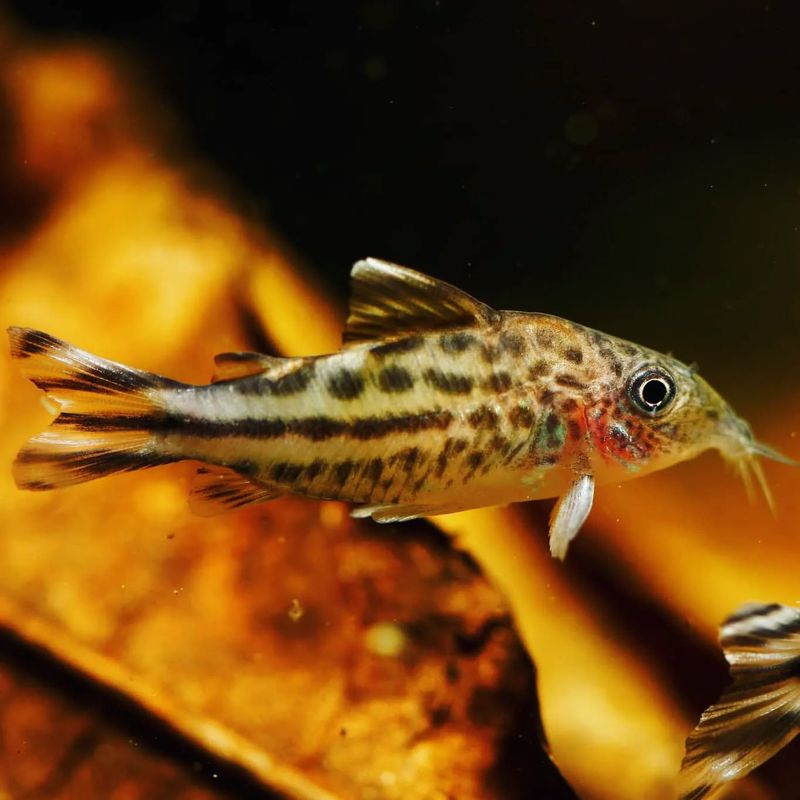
pixel 436 403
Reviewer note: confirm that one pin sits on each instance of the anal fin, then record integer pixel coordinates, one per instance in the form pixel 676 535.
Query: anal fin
pixel 219 489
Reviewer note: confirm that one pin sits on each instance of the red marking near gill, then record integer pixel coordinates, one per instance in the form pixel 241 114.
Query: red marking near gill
pixel 611 435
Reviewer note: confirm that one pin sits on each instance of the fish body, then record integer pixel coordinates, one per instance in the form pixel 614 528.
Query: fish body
pixel 436 403
pixel 759 713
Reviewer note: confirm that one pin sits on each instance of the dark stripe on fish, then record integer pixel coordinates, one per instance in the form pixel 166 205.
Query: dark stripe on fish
pixel 406 345
pixel 569 381
pixel 284 472
pixel 448 382
pixel 98 462
pixel 341 471
pixel 294 382
pixel 33 343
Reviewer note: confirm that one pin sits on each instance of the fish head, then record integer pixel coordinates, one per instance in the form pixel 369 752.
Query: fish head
pixel 660 412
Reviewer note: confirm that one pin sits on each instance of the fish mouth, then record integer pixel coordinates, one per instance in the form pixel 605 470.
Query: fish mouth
pixel 742 450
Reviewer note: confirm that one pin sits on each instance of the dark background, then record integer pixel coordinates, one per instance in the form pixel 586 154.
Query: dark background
pixel 633 166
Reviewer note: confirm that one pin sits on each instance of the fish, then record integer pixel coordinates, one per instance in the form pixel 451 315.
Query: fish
pixel 759 713
pixel 435 403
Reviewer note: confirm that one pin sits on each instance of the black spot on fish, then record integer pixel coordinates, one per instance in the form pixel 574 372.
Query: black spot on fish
pixel 375 469
pixel 546 396
pixel 441 464
pixel 574 429
pixel 341 471
pixel 628 349
pixel 410 458
pixel 406 345
pixel 345 385
pixel 459 446
pixel 394 379
pixel 712 413
pixel 498 382
pixel 473 460
pixel 284 472
pixel 569 381
pixel 512 343
pixel 293 382
pixel 448 382
pixel 457 342
pixel 545 339
pixel 489 353
pixel 569 404
pixel 418 485
pixel 315 469
pixel 573 355
pixel 498 444
pixel 521 417
pixel 539 370
pixel 483 417
pixel 513 452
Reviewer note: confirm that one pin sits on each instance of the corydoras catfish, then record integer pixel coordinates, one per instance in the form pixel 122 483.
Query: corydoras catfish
pixel 436 403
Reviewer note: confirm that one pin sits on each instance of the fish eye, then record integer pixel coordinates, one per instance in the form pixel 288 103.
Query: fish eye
pixel 652 390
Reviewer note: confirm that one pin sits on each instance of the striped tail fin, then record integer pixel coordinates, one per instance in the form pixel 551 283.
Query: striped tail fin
pixel 759 713
pixel 107 414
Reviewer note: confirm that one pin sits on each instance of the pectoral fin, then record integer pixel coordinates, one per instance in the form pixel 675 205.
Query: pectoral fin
pixel 569 514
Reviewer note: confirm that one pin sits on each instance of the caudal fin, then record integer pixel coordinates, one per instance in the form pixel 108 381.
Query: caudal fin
pixel 107 414
pixel 759 713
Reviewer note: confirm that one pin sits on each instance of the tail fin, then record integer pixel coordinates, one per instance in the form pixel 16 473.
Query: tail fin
pixel 759 713
pixel 107 414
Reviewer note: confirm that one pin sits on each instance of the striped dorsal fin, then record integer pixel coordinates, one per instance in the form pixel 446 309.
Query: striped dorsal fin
pixel 390 300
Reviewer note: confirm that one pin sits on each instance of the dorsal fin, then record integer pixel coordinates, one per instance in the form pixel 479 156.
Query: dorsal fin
pixel 218 489
pixel 230 366
pixel 387 300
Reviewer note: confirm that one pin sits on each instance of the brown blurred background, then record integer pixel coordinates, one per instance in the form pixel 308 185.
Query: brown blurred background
pixel 181 179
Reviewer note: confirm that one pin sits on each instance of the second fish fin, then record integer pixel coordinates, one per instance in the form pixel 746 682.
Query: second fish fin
pixel 759 713
pixel 219 489
pixel 229 366
pixel 569 514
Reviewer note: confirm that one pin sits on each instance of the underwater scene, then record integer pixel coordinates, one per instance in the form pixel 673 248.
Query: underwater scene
pixel 399 401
